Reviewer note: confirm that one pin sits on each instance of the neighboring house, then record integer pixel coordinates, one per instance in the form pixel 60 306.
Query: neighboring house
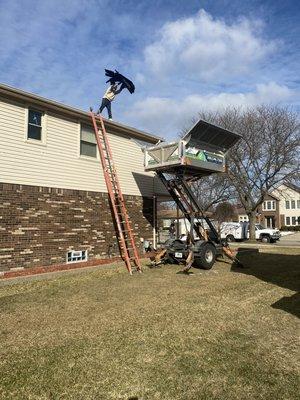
pixel 280 208
pixel 289 204
pixel 53 198
pixel 241 215
pixel 268 212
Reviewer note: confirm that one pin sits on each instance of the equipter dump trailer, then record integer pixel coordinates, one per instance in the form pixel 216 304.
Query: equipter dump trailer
pixel 201 152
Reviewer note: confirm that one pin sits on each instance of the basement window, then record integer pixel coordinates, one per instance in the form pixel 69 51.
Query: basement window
pixel 75 256
pixel 34 129
pixel 88 144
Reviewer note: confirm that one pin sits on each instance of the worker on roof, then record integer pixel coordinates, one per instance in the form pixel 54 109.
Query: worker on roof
pixel 108 97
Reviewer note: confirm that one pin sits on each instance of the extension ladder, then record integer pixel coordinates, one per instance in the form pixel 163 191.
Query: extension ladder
pixel 124 231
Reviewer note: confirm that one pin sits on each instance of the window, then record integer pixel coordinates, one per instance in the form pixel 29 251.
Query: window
pixel 293 204
pixel 88 144
pixel 269 205
pixel 287 220
pixel 34 129
pixel 75 256
pixel 293 220
pixel 287 204
pixel 298 203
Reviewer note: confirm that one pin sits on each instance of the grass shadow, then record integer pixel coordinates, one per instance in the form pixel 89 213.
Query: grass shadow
pixel 289 304
pixel 279 269
pixel 187 273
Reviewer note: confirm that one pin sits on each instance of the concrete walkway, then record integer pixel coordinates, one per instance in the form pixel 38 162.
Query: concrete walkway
pixel 292 240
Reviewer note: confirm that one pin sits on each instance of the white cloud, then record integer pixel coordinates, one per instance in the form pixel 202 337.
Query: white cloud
pixel 165 116
pixel 207 48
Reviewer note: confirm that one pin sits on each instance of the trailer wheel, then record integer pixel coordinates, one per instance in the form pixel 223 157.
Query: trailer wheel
pixel 206 256
pixel 230 238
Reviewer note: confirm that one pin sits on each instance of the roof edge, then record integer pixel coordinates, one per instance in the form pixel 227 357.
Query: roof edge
pixel 114 127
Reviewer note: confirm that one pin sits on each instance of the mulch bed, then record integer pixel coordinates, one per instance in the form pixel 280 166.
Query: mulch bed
pixel 62 267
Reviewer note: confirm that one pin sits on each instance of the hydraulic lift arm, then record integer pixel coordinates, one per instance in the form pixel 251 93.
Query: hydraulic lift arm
pixel 188 204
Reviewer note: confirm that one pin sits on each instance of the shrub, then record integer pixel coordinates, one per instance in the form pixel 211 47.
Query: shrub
pixel 295 228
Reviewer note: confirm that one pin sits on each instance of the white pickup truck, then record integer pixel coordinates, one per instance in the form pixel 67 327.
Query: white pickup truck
pixel 232 231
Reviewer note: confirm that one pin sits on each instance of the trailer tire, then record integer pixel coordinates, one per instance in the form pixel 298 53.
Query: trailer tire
pixel 206 256
pixel 230 238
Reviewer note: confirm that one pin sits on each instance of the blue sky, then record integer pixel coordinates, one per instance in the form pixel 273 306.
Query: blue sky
pixel 184 56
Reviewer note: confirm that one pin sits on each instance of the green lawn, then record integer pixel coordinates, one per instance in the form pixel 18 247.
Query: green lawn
pixel 219 334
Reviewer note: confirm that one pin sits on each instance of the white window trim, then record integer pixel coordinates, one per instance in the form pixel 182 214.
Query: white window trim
pixel 286 221
pixel 43 141
pixel 81 156
pixel 71 261
pixel 293 208
pixel 265 205
pixel 289 203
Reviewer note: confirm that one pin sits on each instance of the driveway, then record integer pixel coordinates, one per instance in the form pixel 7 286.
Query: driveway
pixel 290 240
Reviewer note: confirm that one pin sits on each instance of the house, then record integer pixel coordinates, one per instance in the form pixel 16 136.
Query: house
pixel 289 204
pixel 280 208
pixel 53 197
pixel 268 213
pixel 241 215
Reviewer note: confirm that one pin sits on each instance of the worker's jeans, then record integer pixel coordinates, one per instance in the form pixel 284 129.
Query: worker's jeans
pixel 106 103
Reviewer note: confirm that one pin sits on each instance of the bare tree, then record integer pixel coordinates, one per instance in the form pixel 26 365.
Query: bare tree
pixel 224 212
pixel 267 155
pixel 212 190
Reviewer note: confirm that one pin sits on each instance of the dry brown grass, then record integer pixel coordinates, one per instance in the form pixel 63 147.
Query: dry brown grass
pixel 219 334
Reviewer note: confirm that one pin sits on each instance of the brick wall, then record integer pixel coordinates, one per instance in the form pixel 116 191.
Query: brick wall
pixel 39 225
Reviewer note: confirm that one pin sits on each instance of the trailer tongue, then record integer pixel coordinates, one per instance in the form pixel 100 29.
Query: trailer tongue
pixel 199 153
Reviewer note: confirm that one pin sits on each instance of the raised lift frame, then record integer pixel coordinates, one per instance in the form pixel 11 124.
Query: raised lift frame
pixel 199 153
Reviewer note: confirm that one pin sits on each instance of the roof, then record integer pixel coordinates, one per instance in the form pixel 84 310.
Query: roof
pixel 240 210
pixel 112 126
pixel 273 196
pixel 292 186
pixel 217 138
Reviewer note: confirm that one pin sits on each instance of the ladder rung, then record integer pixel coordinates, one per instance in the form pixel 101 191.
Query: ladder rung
pixel 129 246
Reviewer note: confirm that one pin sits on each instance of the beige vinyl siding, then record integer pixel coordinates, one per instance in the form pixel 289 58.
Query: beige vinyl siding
pixel 57 163
pixel 284 194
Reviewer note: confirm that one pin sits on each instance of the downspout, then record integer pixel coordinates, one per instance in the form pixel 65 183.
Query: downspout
pixel 154 207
